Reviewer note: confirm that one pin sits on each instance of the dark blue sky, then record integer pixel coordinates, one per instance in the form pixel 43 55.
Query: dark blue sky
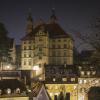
pixel 72 14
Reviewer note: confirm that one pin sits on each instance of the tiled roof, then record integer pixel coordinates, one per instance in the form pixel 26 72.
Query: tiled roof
pixel 36 89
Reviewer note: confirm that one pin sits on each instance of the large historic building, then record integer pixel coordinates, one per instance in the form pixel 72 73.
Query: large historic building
pixel 45 43
pixel 47 53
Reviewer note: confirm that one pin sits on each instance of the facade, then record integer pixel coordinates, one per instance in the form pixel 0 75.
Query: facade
pixel 74 82
pixel 8 62
pixel 46 43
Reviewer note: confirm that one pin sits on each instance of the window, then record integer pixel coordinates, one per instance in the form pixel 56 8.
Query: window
pixel 82 73
pixel 85 81
pixel 29 47
pixel 73 79
pixel 65 46
pixel 24 62
pixel 40 49
pixel 53 53
pixel 40 39
pixel 65 53
pixel 40 57
pixel 59 46
pixel 24 42
pixel 30 55
pixel 64 79
pixel 29 42
pixel 24 55
pixel 59 40
pixel 54 79
pixel 93 72
pixel 29 62
pixel 88 73
pixel 24 47
pixel 80 81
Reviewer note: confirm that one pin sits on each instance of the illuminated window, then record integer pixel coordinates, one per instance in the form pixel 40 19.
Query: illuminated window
pixel 64 79
pixel 82 73
pixel 54 79
pixel 85 81
pixel 93 72
pixel 80 67
pixel 80 81
pixel 88 73
pixel 72 79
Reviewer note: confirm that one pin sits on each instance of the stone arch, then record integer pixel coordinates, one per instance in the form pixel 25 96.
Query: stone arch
pixel 94 93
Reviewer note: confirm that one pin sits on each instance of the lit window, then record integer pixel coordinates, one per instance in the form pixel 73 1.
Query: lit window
pixel 80 81
pixel 94 72
pixel 72 79
pixel 80 67
pixel 24 62
pixel 85 81
pixel 88 73
pixel 64 79
pixel 54 79
pixel 82 73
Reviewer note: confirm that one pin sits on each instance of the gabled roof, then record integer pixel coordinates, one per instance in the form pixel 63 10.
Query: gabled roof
pixel 39 91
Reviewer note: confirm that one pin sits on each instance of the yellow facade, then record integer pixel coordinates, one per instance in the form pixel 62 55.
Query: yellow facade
pixel 55 89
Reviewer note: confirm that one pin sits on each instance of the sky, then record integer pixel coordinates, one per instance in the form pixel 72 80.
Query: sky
pixel 73 15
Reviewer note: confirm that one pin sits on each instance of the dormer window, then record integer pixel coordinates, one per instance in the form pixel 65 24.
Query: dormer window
pixel 82 73
pixel 88 73
pixel 93 72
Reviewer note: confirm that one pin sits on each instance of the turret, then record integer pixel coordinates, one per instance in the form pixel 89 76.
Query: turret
pixel 53 18
pixel 29 27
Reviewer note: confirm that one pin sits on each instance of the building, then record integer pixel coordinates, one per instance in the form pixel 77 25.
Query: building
pixel 9 59
pixel 45 43
pixel 47 55
pixel 61 81
pixel 73 82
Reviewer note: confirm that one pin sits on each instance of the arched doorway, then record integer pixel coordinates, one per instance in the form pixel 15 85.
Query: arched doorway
pixel 94 93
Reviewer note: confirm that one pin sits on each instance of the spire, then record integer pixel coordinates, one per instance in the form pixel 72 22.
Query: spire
pixel 29 28
pixel 53 18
